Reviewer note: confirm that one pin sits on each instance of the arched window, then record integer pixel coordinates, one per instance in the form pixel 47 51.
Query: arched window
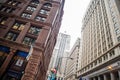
pixel 47 5
pixel 35 2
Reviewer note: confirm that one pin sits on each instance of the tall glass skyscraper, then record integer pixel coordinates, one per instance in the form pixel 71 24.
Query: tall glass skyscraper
pixel 61 50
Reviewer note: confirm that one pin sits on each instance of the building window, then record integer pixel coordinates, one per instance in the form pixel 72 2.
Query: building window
pixel 35 2
pixel 26 15
pixel 100 60
pixel 34 30
pixel 19 62
pixel 95 63
pixel 30 8
pixel 3 20
pixel 12 2
pixel 28 41
pixel 39 18
pixel 47 5
pixel 45 12
pixel 7 9
pixel 112 53
pixel 117 31
pixel 118 38
pixel 105 57
pixel 11 36
pixel 18 26
pixel 116 25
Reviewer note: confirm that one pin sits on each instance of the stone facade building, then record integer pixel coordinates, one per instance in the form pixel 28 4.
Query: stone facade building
pixel 100 59
pixel 72 62
pixel 28 32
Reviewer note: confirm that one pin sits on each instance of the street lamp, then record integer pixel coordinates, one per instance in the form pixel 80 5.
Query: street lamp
pixel 58 65
pixel 66 65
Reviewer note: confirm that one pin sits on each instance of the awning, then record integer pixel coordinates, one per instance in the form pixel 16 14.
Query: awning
pixel 4 49
pixel 22 54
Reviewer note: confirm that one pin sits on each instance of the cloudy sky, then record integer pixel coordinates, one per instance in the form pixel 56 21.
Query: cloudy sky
pixel 74 11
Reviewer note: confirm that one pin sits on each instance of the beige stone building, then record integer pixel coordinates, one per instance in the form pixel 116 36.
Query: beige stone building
pixel 100 59
pixel 72 62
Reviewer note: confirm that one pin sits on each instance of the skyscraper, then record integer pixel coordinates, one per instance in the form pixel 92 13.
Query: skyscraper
pixel 28 31
pixel 60 53
pixel 100 58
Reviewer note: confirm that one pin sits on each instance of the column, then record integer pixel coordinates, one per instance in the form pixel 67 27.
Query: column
pixel 23 33
pixel 112 76
pixel 32 67
pixel 7 61
pixel 105 77
pixel 94 78
pixel 98 77
pixel 119 74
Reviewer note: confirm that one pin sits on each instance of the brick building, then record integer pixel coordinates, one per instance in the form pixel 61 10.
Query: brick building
pixel 28 27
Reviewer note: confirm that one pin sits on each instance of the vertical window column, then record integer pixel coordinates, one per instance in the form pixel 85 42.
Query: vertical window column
pixel 119 74
pixel 23 33
pixel 7 61
pixel 105 77
pixel 112 76
pixel 9 22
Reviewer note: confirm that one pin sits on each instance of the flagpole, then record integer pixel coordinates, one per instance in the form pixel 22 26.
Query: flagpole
pixel 30 52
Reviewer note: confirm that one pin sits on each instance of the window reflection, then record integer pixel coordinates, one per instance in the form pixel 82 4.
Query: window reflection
pixel 42 11
pixel 28 41
pixel 47 5
pixel 11 36
pixel 30 8
pixel 39 18
pixel 7 9
pixel 34 30
pixel 3 20
pixel 12 2
pixel 18 26
pixel 34 2
pixel 26 15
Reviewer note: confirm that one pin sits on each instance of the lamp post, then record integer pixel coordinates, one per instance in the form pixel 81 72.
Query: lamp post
pixel 66 66
pixel 58 65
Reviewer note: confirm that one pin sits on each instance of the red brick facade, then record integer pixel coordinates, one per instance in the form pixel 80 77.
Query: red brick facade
pixel 24 23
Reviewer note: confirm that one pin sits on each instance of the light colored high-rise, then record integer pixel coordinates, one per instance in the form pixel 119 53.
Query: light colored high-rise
pixel 72 62
pixel 60 53
pixel 100 58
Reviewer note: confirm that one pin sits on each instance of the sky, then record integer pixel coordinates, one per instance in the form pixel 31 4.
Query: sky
pixel 74 11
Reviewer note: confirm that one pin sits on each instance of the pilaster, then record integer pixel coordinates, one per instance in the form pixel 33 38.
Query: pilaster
pixel 32 67
pixel 105 77
pixel 112 76
pixel 7 61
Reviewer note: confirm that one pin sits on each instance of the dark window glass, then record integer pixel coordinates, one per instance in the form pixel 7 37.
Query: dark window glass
pixel 47 5
pixel 7 9
pixel 28 41
pixel 34 30
pixel 30 8
pixel 39 18
pixel 12 2
pixel 35 2
pixel 11 36
pixel 3 20
pixel 18 26
pixel 45 12
pixel 26 15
